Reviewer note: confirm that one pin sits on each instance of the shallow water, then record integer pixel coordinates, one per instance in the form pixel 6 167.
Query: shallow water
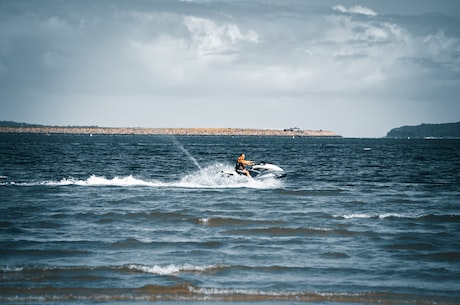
pixel 142 218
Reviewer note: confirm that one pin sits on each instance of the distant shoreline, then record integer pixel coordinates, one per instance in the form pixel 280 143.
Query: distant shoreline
pixel 166 131
pixel 427 131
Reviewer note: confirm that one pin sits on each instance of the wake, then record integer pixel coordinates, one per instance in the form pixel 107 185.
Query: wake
pixel 208 177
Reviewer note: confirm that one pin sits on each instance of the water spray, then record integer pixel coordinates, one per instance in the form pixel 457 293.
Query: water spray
pixel 185 151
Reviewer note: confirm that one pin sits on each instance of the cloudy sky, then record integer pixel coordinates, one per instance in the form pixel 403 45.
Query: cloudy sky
pixel 358 68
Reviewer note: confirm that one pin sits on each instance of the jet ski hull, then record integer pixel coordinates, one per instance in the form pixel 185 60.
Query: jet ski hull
pixel 266 170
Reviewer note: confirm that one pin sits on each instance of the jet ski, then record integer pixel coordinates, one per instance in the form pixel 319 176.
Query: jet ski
pixel 261 170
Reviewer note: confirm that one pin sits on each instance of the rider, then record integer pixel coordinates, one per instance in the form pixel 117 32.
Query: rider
pixel 240 165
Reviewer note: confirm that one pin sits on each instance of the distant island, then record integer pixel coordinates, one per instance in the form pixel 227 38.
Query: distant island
pixel 446 130
pixel 14 127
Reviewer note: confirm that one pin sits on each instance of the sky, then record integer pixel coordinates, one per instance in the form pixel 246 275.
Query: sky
pixel 358 68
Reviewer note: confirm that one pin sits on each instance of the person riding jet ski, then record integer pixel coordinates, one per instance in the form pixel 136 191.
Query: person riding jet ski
pixel 240 166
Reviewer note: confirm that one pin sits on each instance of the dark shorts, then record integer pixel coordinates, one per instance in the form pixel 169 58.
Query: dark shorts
pixel 240 171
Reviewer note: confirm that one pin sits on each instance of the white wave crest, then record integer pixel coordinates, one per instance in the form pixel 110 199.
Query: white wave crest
pixel 237 291
pixel 171 269
pixel 10 269
pixel 379 216
pixel 353 216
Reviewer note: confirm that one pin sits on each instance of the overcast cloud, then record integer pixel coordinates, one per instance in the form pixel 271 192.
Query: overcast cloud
pixel 358 68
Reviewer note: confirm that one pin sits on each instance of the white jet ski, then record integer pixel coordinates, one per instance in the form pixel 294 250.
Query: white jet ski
pixel 261 170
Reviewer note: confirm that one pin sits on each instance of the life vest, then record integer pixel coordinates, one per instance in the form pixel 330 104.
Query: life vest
pixel 239 166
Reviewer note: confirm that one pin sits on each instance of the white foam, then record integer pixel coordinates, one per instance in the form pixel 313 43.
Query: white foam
pixel 94 180
pixel 380 216
pixel 171 269
pixel 11 269
pixel 204 221
pixel 352 216
pixel 237 291
pixel 212 176
pixel 388 215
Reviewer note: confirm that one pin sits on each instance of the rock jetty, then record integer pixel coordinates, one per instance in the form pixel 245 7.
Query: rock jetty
pixel 166 131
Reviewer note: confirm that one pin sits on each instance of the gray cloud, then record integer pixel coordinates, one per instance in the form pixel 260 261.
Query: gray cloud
pixel 356 68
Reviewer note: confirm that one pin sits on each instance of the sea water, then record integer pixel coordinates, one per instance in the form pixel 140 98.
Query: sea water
pixel 132 219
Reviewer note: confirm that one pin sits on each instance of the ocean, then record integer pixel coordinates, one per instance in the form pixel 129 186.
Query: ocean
pixel 130 219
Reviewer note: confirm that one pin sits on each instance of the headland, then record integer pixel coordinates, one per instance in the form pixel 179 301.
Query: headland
pixel 93 130
pixel 441 131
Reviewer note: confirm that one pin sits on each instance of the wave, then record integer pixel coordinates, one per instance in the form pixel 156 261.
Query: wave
pixel 421 217
pixel 283 232
pixel 365 216
pixel 210 177
pixel 235 222
pixel 311 193
pixel 170 269
pixel 188 292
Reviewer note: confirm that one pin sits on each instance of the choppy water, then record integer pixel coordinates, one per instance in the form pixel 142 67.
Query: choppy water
pixel 134 219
